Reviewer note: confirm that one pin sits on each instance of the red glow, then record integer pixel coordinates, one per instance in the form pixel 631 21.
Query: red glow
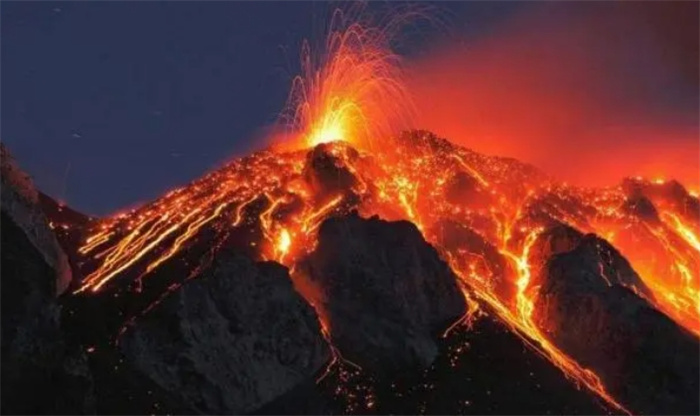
pixel 580 96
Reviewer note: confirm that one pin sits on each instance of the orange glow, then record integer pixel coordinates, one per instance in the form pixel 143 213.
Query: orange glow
pixel 351 89
pixel 283 243
pixel 576 108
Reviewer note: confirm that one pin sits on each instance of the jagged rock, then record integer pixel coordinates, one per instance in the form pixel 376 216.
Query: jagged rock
pixel 20 201
pixel 382 290
pixel 648 362
pixel 612 267
pixel 228 341
pixel 326 171
pixel 41 373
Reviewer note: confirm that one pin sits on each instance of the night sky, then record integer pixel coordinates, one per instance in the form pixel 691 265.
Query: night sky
pixel 108 105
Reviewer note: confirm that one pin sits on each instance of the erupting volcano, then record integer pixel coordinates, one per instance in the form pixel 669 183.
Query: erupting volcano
pixel 597 281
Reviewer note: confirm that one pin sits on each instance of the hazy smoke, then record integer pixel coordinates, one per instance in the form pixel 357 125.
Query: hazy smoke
pixel 588 92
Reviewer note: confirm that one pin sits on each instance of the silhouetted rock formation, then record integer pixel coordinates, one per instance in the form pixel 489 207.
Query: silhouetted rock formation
pixel 229 341
pixel 20 201
pixel 382 290
pixel 588 304
pixel 41 374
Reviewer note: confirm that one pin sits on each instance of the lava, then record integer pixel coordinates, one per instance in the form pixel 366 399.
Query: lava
pixel 347 100
pixel 352 87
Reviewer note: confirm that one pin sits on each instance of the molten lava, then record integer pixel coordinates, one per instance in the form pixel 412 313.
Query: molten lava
pixel 354 94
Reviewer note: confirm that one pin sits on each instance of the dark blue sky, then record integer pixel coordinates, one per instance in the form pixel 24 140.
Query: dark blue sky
pixel 111 104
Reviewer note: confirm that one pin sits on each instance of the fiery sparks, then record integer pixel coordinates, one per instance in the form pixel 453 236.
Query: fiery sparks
pixel 350 89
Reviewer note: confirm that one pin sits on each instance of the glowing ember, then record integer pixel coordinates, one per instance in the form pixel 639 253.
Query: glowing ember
pixel 351 90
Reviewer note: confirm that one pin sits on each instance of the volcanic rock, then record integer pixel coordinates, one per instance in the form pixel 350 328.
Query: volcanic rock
pixel 589 305
pixel 20 201
pixel 41 373
pixel 228 341
pixel 382 290
pixel 481 369
pixel 612 267
pixel 326 171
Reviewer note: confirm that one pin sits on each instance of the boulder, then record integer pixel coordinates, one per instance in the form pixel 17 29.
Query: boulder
pixel 228 341
pixel 382 290
pixel 589 305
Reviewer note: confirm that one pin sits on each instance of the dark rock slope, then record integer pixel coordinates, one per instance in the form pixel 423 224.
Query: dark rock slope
pixel 20 202
pixel 228 341
pixel 41 372
pixel 589 304
pixel 382 290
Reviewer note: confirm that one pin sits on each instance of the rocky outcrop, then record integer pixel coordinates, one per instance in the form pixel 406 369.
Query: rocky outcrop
pixel 228 341
pixel 589 304
pixel 41 374
pixel 382 291
pixel 612 267
pixel 20 201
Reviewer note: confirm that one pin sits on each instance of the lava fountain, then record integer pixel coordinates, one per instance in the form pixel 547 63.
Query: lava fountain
pixel 352 87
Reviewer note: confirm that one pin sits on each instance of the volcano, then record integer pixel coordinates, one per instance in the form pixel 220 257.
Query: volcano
pixel 418 277
pixel 356 265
